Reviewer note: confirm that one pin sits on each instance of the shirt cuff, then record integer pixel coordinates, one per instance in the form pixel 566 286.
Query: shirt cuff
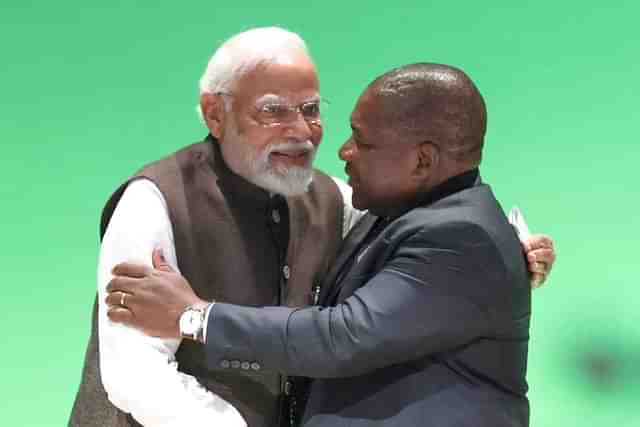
pixel 206 322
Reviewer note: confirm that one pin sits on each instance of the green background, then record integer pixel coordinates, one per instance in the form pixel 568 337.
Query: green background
pixel 90 92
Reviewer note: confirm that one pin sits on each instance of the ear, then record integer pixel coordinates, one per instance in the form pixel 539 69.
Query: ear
pixel 427 159
pixel 213 113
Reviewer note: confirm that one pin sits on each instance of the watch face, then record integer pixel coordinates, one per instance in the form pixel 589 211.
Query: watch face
pixel 189 322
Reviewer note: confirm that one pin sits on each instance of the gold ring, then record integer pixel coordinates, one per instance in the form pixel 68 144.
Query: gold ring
pixel 122 296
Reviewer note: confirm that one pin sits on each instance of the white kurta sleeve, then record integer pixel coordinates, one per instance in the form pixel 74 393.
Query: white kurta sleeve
pixel 139 372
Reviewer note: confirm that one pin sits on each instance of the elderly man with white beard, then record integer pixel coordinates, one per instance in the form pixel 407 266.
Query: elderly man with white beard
pixel 244 217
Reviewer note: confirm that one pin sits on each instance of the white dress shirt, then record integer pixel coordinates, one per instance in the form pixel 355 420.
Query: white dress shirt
pixel 139 373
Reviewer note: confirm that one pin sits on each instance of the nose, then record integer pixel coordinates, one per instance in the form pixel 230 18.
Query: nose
pixel 346 152
pixel 299 129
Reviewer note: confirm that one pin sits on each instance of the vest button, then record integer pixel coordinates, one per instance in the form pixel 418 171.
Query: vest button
pixel 286 272
pixel 287 387
pixel 275 215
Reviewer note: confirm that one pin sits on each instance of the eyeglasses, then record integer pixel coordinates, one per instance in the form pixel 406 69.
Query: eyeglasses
pixel 275 111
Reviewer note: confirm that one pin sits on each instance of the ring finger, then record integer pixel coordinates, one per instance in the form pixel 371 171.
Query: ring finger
pixel 118 299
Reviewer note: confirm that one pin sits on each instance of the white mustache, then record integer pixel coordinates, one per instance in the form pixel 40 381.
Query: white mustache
pixel 292 147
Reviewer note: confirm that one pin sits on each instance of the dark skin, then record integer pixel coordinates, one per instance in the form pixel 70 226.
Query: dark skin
pixel 390 169
pixel 433 137
pixel 417 165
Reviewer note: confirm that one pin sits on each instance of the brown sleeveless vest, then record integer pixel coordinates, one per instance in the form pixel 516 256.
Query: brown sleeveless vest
pixel 234 243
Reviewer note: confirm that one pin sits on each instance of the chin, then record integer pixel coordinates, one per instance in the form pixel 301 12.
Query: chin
pixel 293 181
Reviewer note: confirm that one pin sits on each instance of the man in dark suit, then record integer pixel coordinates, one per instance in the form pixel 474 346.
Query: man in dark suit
pixel 425 317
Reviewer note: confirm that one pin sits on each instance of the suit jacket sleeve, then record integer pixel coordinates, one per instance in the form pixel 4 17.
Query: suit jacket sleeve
pixel 429 297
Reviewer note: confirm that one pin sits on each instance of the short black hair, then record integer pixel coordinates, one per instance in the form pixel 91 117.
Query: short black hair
pixel 437 102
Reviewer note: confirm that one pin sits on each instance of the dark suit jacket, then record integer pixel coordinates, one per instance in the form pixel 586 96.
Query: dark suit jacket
pixel 428 327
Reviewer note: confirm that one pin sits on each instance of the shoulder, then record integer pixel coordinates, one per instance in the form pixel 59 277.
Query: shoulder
pixel 470 221
pixel 472 226
pixel 184 158
pixel 143 191
pixel 462 234
pixel 136 195
pixel 469 210
pixel 148 186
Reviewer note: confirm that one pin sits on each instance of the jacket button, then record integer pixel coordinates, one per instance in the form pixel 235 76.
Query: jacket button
pixel 245 365
pixel 224 364
pixel 255 366
pixel 235 364
pixel 286 272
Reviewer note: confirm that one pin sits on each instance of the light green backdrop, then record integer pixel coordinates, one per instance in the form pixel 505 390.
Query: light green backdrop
pixel 90 92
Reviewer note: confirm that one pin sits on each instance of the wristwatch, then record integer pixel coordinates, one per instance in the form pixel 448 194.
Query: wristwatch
pixel 192 322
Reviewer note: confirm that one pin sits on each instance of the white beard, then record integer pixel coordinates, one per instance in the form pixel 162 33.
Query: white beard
pixel 254 166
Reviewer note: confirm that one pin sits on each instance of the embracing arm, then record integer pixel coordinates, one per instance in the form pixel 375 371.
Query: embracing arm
pixel 407 309
pixel 423 302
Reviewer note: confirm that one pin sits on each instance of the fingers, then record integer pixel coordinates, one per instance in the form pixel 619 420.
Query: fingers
pixel 537 280
pixel 119 298
pixel 538 268
pixel 542 256
pixel 120 315
pixel 131 270
pixel 159 261
pixel 538 241
pixel 122 284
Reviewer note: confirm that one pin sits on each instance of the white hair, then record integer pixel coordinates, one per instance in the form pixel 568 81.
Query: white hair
pixel 245 51
pixel 238 55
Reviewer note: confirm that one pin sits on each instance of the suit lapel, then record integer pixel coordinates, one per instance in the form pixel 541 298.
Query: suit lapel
pixel 330 286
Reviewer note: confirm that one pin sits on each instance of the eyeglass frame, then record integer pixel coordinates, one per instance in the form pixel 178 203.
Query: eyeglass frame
pixel 297 109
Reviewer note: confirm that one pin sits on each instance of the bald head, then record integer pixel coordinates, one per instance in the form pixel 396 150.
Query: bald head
pixel 435 103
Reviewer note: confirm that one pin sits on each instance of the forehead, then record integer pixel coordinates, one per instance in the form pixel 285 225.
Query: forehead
pixel 290 77
pixel 368 115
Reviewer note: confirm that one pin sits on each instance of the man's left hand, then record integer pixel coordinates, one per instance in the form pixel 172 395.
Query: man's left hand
pixel 149 299
pixel 540 258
